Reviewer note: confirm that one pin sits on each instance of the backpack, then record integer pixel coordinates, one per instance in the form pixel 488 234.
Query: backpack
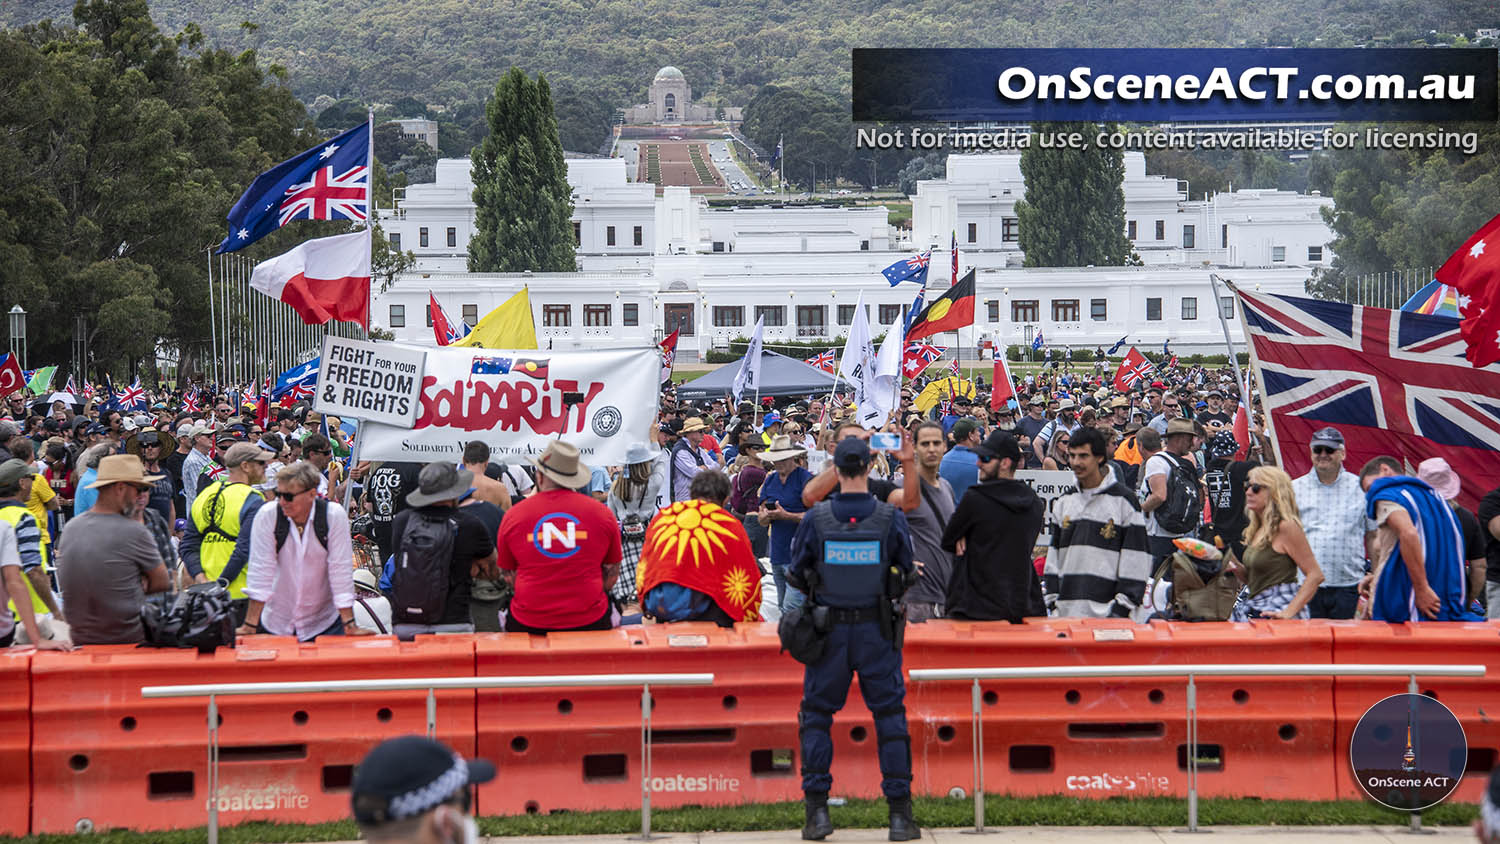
pixel 200 616
pixel 319 520
pixel 1183 507
pixel 419 579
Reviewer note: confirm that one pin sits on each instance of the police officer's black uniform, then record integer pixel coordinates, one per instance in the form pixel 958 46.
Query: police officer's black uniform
pixel 853 554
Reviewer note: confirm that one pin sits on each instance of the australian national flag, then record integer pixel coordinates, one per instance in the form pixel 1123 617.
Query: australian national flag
pixel 908 269
pixel 328 182
pixel 489 365
pixel 1392 382
pixel 297 383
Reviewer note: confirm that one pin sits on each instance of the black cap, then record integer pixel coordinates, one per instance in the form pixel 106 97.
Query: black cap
pixel 409 776
pixel 998 445
pixel 852 453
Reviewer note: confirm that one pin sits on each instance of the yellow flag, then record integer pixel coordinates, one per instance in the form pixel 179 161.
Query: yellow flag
pixel 942 389
pixel 507 327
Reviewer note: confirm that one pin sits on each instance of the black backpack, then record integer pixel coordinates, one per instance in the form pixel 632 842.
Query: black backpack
pixel 200 616
pixel 419 580
pixel 1183 508
pixel 319 520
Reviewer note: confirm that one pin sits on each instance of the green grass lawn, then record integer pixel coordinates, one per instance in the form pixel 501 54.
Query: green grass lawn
pixel 857 814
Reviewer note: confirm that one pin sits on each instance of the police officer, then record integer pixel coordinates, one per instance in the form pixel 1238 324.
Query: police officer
pixel 852 559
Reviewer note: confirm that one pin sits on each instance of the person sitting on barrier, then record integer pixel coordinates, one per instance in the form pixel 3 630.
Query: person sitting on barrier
pixel 1276 548
pixel 697 563
pixel 16 480
pixel 560 551
pixel 413 790
pixel 1417 550
pixel 372 610
pixel 13 581
pixel 108 562
pixel 992 534
pixel 438 549
pixel 301 562
pixel 851 559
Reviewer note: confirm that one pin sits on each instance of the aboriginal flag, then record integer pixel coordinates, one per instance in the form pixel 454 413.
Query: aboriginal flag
pixel 535 367
pixel 949 312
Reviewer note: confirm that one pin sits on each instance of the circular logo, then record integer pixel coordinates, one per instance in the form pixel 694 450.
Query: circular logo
pixel 607 421
pixel 1408 752
pixel 556 535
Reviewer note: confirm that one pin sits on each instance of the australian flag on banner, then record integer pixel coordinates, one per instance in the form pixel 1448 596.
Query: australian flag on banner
pixel 489 365
pixel 328 182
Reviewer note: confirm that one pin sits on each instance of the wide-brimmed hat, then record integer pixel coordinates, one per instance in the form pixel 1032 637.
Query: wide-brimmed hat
pixel 440 482
pixel 365 579
pixel 1180 426
pixel 781 449
pixel 640 453
pixel 693 423
pixel 1436 472
pixel 123 469
pixel 560 463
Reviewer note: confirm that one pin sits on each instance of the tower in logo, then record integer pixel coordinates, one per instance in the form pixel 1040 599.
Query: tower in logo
pixel 1409 758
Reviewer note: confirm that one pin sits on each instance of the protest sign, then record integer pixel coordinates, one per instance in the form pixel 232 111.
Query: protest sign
pixel 1049 485
pixel 518 401
pixel 373 382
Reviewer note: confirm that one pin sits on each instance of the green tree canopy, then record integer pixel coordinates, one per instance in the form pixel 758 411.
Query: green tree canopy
pixel 521 192
pixel 1074 211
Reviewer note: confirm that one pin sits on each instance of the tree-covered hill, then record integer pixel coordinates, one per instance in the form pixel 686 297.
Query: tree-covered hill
pixel 449 52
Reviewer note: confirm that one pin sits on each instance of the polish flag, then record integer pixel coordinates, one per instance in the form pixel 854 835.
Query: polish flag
pixel 323 279
pixel 1242 432
pixel 1002 389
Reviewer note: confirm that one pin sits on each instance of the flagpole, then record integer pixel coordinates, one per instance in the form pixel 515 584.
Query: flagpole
pixel 1234 361
pixel 370 228
pixel 213 331
pixel 1245 394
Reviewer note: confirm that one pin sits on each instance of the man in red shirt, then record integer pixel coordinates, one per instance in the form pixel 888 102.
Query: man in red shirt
pixel 560 549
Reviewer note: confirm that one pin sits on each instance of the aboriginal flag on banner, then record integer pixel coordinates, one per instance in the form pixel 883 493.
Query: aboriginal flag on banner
pixel 534 367
pixel 949 312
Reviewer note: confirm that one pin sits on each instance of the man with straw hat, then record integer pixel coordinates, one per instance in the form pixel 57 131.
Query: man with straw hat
pixel 108 561
pixel 689 457
pixel 781 506
pixel 560 550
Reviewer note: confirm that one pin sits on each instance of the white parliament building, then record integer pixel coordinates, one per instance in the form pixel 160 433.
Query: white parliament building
pixel 649 264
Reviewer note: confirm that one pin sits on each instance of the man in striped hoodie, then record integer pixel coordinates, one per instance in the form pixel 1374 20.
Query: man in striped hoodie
pixel 1098 562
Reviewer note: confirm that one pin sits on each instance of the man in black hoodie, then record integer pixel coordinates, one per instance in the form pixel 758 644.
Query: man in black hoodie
pixel 992 534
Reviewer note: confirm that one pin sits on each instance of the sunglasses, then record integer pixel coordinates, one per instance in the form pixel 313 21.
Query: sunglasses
pixel 1173 406
pixel 1323 449
pixel 1255 488
pixel 290 496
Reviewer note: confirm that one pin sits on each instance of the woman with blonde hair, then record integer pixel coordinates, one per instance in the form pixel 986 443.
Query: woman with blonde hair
pixel 1275 549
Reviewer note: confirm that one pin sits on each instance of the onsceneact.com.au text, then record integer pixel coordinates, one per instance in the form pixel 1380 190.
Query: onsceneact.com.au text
pixel 1253 83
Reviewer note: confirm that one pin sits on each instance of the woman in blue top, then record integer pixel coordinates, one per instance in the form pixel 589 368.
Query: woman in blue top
pixel 781 505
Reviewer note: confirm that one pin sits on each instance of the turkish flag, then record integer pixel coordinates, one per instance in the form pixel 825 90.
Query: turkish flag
pixel 1476 264
pixel 11 378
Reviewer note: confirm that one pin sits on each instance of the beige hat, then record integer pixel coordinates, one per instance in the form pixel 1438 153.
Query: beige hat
pixel 560 463
pixel 365 579
pixel 123 469
pixel 200 429
pixel 691 424
pixel 781 449
pixel 1180 426
pixel 241 452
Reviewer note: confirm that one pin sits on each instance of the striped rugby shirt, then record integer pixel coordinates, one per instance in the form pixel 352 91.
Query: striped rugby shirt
pixel 1098 563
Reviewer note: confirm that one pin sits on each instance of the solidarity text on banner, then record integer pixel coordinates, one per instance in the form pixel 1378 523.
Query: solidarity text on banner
pixel 515 401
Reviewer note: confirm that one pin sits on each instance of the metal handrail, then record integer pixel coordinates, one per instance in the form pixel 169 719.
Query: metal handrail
pixel 1191 672
pixel 214 690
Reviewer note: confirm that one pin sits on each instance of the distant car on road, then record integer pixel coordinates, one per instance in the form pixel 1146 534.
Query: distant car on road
pixel 674 137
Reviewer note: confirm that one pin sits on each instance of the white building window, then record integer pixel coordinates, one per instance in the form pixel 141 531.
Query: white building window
pixel 1190 307
pixel 395 239
pixel 1153 309
pixel 728 316
pixel 471 314
pixel 1314 254
pixel 557 316
pixel 609 236
pixel 1226 306
pixel 596 316
pixel 775 314
pixel 1130 229
pixel 1010 229
pixel 630 314
pixel 1099 309
pixel 398 316
pixel 1189 237
pixel 1278 254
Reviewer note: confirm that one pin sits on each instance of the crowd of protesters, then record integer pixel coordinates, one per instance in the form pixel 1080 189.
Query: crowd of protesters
pixel 101 507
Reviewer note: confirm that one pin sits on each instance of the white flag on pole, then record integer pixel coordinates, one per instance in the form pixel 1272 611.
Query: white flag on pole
pixel 748 378
pixel 857 366
pixel 885 390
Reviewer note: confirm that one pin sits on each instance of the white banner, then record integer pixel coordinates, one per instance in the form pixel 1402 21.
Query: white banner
pixel 516 402
pixel 372 382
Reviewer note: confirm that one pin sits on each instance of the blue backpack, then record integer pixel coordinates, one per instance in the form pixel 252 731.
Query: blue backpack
pixel 674 602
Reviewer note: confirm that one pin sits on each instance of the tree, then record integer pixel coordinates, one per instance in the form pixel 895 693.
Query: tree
pixel 523 203
pixel 1074 211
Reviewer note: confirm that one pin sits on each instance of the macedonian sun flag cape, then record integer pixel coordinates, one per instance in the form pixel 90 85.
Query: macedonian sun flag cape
pixel 704 547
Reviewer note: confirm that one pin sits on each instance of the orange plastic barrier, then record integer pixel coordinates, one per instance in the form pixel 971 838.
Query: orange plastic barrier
pixel 103 757
pixel 1125 736
pixel 580 748
pixel 1475 701
pixel 15 742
